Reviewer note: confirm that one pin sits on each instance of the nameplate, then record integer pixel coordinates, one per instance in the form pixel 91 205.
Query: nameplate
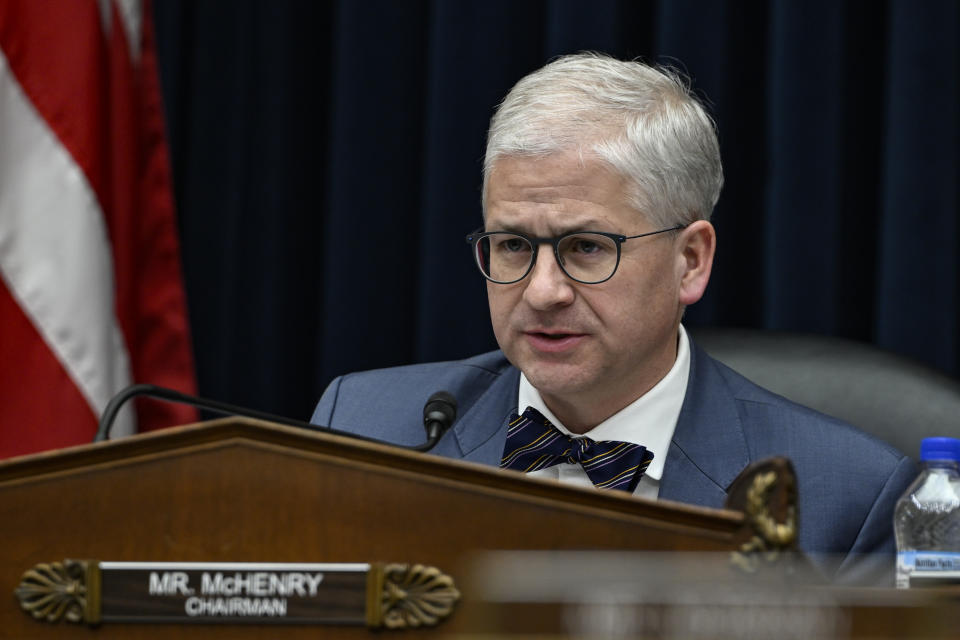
pixel 376 595
pixel 233 592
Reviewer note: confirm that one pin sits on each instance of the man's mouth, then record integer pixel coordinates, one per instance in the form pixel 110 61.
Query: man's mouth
pixel 553 334
pixel 553 341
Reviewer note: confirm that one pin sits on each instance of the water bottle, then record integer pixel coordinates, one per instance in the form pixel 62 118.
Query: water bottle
pixel 927 518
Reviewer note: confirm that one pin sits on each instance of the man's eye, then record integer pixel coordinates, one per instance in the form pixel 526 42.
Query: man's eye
pixel 513 245
pixel 587 247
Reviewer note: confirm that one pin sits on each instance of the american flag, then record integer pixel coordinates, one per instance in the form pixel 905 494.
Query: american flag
pixel 91 291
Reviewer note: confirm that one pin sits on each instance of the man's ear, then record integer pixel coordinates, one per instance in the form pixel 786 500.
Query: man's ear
pixel 696 245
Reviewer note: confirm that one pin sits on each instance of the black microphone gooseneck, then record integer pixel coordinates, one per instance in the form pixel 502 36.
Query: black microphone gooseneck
pixel 162 393
pixel 441 407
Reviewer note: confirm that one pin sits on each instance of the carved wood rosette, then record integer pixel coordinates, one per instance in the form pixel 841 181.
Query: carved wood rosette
pixel 766 492
pixel 405 596
pixel 61 591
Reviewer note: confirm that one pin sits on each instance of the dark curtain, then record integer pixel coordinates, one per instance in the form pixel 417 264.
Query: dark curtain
pixel 327 166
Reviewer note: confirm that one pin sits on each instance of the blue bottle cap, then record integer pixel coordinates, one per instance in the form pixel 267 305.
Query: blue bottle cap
pixel 939 449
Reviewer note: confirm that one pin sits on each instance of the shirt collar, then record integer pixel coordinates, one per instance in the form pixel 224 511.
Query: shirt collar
pixel 650 420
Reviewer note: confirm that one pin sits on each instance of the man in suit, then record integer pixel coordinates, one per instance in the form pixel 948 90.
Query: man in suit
pixel 599 180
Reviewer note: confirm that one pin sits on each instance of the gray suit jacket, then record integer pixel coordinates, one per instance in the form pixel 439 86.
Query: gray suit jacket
pixel 848 481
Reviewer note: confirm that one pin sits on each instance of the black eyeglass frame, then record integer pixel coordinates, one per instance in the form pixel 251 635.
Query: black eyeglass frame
pixel 474 238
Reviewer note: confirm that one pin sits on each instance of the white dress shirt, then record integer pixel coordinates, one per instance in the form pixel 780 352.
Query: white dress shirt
pixel 650 420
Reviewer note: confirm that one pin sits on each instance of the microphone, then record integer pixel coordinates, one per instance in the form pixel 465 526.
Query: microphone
pixel 438 414
pixel 169 395
pixel 161 393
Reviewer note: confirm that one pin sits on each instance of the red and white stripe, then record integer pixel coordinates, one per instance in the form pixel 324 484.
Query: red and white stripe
pixel 91 296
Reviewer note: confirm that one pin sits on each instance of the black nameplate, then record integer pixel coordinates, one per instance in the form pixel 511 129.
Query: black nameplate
pixel 233 592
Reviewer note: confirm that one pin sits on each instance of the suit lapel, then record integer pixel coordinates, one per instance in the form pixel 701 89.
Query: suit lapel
pixel 708 449
pixel 482 431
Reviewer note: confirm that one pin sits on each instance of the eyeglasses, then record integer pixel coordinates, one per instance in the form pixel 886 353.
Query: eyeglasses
pixel 589 257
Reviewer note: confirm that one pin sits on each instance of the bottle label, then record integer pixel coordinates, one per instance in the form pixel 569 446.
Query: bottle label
pixel 920 566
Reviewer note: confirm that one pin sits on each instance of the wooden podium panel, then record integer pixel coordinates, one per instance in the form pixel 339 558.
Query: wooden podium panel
pixel 668 596
pixel 239 490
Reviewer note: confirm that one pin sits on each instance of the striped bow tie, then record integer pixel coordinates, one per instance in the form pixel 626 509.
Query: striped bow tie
pixel 534 443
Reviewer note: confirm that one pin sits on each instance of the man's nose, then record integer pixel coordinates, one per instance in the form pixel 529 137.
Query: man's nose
pixel 547 285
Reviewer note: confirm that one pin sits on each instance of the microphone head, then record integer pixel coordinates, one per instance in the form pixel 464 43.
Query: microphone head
pixel 441 407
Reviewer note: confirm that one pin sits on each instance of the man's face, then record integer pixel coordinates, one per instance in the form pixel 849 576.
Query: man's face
pixel 586 345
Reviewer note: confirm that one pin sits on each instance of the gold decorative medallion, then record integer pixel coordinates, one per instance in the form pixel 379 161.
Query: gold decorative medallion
pixel 770 536
pixel 409 596
pixel 57 591
pixel 775 534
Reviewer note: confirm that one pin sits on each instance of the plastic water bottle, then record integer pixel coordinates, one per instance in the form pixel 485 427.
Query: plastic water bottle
pixel 927 518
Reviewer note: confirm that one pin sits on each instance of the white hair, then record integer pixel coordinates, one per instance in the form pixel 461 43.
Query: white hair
pixel 643 121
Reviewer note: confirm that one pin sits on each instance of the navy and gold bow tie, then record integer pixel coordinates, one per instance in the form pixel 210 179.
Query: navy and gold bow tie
pixel 534 443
